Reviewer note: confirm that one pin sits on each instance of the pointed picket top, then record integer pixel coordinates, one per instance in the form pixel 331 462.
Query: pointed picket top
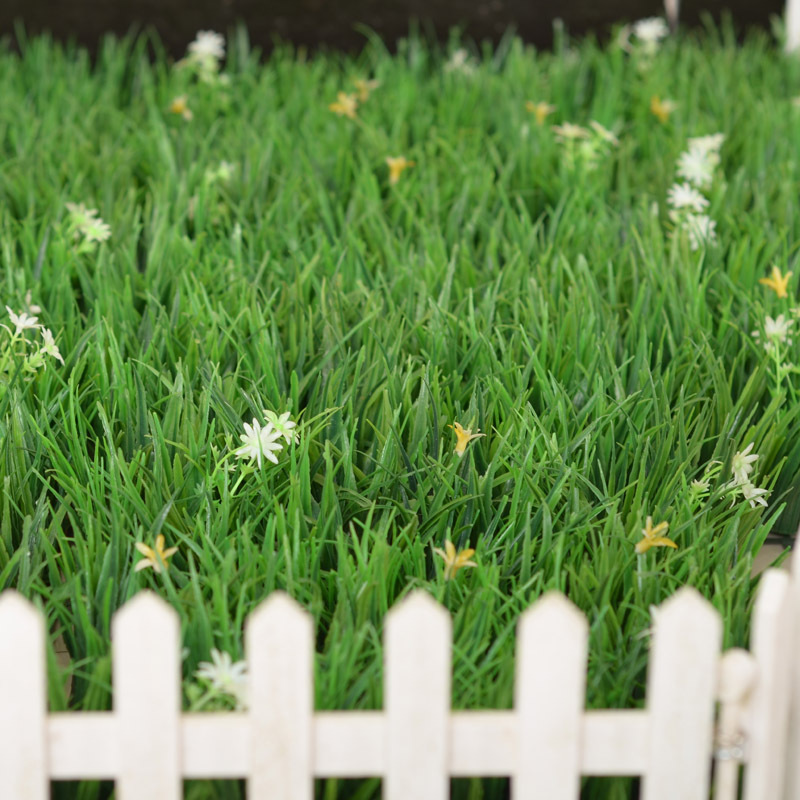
pixel 417 680
pixel 144 608
pixel 769 711
pixel 14 605
pixel 23 707
pixel 19 617
pixel 418 607
pixel 552 611
pixel 773 588
pixel 279 610
pixel 549 692
pixel 681 689
pixel 146 676
pixel 687 603
pixel 279 645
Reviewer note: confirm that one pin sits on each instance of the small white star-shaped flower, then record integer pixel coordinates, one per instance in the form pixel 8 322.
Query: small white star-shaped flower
pixel 22 321
pixel 259 442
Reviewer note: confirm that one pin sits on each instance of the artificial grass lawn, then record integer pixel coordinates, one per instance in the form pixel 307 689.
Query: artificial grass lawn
pixel 497 284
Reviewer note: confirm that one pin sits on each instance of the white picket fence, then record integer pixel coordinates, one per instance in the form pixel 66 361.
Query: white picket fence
pixel 416 743
pixel 791 18
pixel 792 22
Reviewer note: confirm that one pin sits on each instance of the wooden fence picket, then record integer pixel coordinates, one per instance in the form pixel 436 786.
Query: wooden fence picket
pixel 280 649
pixel 681 684
pixel 23 703
pixel 736 677
pixel 417 699
pixel 769 714
pixel 146 675
pixel 792 22
pixel 549 693
pixel 792 764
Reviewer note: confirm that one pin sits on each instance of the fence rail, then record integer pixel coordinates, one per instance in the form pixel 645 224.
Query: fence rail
pixel 698 702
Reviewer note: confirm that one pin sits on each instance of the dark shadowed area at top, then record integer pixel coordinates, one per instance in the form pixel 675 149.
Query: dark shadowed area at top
pixel 336 24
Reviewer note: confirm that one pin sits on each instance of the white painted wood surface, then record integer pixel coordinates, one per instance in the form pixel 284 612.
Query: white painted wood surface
pixel 792 21
pixel 417 743
pixel 792 767
pixel 769 717
pixel 417 699
pixel 737 674
pixel 146 672
pixel 681 685
pixel 23 706
pixel 279 643
pixel 549 699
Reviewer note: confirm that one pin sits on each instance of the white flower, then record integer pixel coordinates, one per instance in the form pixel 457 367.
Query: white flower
pixel 604 133
pixel 85 222
pixel 696 167
pixel 460 62
pixel 742 464
pixel 570 132
pixel 700 485
pixel 684 196
pixel 22 321
pixel 754 495
pixel 223 172
pixel 282 424
pixel 80 216
pixel 49 347
pixel 96 230
pixel 225 676
pixel 258 442
pixel 208 45
pixel 776 331
pixel 701 229
pixel 710 144
pixel 751 493
pixel 650 30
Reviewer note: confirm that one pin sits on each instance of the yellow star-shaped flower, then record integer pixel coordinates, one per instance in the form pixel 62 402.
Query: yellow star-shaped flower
pixel 454 561
pixel 154 558
pixel 345 105
pixel 652 537
pixel 540 110
pixel 463 437
pixel 777 282
pixel 397 165
pixel 180 105
pixel 661 108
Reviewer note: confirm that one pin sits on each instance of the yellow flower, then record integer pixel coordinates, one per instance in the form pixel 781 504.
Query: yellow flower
pixel 396 166
pixel 777 282
pixel 180 106
pixel 652 537
pixel 464 437
pixel 454 561
pixel 540 110
pixel 152 557
pixel 345 105
pixel 365 88
pixel 661 108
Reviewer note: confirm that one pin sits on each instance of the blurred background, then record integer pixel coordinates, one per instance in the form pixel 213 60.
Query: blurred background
pixel 341 24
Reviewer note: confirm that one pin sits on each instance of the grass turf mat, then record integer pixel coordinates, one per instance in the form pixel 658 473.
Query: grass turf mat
pixel 540 282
